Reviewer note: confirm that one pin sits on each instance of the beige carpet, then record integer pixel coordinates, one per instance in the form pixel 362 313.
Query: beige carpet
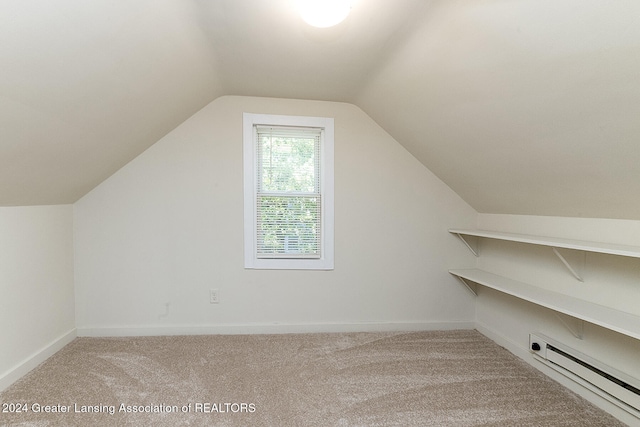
pixel 455 378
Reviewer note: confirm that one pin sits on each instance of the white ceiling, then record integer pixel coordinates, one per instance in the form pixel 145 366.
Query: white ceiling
pixel 521 106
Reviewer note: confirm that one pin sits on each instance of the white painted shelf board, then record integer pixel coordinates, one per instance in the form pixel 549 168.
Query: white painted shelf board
pixel 609 318
pixel 555 242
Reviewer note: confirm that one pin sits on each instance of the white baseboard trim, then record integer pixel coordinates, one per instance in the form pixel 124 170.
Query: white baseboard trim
pixel 498 338
pixel 270 328
pixel 23 368
pixel 524 354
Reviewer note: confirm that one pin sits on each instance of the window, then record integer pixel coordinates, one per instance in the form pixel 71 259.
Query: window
pixel 288 192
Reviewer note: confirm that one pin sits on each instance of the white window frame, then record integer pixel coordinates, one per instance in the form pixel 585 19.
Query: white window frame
pixel 326 260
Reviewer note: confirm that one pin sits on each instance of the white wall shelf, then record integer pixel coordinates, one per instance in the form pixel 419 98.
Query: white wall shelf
pixel 609 318
pixel 553 242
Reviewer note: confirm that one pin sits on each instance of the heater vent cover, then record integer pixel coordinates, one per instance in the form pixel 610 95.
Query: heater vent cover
pixel 615 386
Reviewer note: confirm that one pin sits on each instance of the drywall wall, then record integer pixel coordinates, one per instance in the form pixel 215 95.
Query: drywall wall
pixel 608 280
pixel 36 286
pixel 155 237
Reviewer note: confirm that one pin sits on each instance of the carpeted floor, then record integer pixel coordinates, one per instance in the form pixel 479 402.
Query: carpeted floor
pixel 452 378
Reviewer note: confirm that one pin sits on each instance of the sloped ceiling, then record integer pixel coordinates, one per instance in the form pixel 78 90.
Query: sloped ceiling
pixel 521 106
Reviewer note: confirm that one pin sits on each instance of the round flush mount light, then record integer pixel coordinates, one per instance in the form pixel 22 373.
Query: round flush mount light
pixel 324 13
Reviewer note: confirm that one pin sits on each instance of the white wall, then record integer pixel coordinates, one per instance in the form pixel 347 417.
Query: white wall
pixel 156 236
pixel 608 280
pixel 36 286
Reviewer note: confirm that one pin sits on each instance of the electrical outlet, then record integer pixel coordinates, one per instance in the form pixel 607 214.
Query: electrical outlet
pixel 214 296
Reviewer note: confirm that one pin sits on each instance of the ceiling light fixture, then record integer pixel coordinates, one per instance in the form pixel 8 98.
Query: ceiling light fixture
pixel 324 13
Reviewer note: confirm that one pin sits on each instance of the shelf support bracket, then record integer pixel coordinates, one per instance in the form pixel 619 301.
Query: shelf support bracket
pixel 464 282
pixel 471 248
pixel 566 264
pixel 577 330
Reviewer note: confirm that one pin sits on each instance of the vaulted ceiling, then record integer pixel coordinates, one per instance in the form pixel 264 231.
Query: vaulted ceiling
pixel 520 106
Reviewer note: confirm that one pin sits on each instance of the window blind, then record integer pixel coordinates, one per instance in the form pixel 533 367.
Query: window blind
pixel 288 192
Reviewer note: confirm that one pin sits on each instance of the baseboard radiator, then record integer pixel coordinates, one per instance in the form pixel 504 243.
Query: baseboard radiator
pixel 611 384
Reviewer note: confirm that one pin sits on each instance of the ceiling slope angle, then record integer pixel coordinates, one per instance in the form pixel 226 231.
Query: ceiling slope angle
pixel 522 107
pixel 87 86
